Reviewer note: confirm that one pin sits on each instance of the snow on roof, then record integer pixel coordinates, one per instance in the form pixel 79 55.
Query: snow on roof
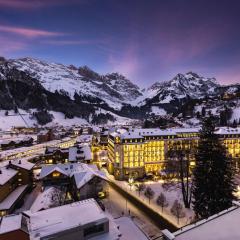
pixel 84 138
pixel 23 163
pixel 59 219
pixel 224 225
pixel 46 170
pixel 81 172
pixel 6 175
pixel 44 200
pixel 12 197
pixel 85 153
pixel 129 230
pixel 145 132
pixel 10 223
pixel 228 130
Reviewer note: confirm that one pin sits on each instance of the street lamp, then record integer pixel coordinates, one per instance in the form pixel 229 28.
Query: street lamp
pixel 130 182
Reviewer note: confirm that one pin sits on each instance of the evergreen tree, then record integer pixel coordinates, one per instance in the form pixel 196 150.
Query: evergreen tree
pixel 213 184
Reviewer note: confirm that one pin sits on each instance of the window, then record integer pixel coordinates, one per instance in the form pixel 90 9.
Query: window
pixel 93 229
pixel 56 174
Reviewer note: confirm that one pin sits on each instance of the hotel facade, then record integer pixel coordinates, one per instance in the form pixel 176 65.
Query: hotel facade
pixel 136 152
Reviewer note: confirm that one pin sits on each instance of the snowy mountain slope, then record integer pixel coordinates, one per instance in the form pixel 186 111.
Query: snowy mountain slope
pixel 75 93
pixel 189 85
pixel 114 89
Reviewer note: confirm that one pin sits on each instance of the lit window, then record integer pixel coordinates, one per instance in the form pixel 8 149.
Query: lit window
pixel 56 174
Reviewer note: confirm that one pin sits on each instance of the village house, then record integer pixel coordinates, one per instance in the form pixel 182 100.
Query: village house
pixel 15 181
pixel 82 181
pixel 45 136
pixel 55 155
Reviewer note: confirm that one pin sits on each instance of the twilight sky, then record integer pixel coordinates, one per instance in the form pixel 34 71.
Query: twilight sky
pixel 146 40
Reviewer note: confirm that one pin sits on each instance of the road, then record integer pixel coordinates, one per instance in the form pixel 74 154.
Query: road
pixel 117 205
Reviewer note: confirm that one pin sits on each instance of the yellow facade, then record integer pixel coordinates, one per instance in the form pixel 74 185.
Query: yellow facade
pixel 149 153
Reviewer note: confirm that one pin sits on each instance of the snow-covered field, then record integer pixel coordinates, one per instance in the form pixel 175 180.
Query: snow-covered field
pixel 15 120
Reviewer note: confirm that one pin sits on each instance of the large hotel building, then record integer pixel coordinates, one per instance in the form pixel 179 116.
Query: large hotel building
pixel 135 152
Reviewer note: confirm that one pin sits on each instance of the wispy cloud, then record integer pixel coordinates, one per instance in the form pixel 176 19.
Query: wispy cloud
pixel 75 42
pixel 8 46
pixel 35 4
pixel 28 32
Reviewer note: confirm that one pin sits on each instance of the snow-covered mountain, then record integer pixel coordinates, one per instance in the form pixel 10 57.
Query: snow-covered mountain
pixel 189 85
pixel 44 89
pixel 114 89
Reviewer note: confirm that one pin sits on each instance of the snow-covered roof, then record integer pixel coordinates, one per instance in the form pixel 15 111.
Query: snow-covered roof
pixel 85 153
pixel 46 170
pixel 23 163
pixel 224 225
pixel 227 130
pixel 55 220
pixel 6 175
pixel 135 133
pixel 10 223
pixel 12 197
pixel 45 199
pixel 81 172
pixel 84 138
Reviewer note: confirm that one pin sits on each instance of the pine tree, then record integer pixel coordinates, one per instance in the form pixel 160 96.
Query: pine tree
pixel 213 184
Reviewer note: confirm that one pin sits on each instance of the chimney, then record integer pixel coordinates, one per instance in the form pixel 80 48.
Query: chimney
pixel 0 171
pixel 19 162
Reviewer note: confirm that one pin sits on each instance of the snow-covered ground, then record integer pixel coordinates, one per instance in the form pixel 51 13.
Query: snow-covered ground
pixel 158 111
pixel 171 193
pixel 14 120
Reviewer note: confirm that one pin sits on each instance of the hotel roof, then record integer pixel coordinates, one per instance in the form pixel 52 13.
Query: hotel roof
pixel 136 133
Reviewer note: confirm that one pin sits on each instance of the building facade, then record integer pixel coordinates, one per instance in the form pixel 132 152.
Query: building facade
pixel 136 152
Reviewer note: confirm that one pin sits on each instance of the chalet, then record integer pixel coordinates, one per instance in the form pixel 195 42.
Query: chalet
pixel 86 131
pixel 10 192
pixel 54 155
pixel 80 153
pixel 15 180
pixel 45 136
pixel 81 180
pixel 25 171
